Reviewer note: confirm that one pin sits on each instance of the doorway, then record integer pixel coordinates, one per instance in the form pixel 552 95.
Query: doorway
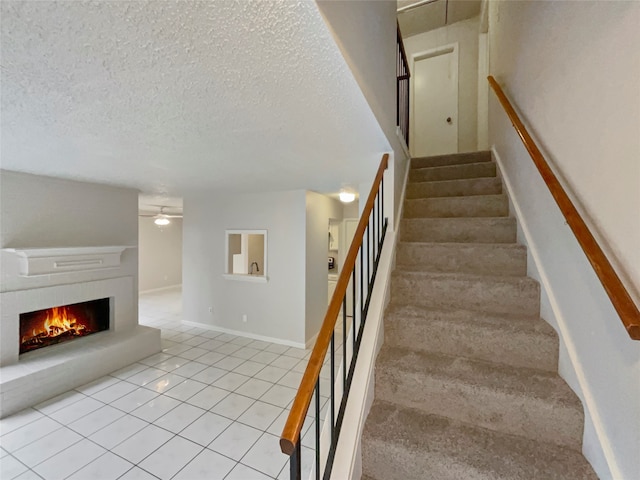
pixel 435 102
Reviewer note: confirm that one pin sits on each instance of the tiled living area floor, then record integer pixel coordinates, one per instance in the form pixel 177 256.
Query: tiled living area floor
pixel 210 406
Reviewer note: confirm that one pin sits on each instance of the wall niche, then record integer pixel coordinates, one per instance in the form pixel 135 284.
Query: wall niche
pixel 246 255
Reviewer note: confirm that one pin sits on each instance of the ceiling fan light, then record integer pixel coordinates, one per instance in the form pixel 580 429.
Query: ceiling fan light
pixel 346 196
pixel 162 221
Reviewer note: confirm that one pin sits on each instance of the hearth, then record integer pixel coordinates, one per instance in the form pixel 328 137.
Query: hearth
pixel 51 326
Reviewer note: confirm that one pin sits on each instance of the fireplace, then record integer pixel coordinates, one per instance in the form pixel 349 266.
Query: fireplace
pixel 51 326
pixel 53 295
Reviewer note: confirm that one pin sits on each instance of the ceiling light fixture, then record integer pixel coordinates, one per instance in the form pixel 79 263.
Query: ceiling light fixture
pixel 346 196
pixel 162 221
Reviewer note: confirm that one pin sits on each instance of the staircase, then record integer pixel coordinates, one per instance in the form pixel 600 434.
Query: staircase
pixel 466 382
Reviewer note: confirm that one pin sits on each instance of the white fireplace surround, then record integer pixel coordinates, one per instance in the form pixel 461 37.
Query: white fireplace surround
pixel 33 377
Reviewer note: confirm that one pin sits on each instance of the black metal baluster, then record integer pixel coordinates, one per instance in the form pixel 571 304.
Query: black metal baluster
pixel 344 343
pixel 368 257
pixel 373 221
pixel 353 309
pixel 333 387
pixel 295 471
pixel 361 278
pixel 379 217
pixel 318 429
pixel 382 193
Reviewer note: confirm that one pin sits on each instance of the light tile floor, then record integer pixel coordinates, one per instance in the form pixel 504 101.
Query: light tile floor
pixel 209 406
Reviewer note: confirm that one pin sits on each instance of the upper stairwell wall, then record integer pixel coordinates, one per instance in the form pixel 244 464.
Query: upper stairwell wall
pixel 466 35
pixel 571 70
pixel 365 32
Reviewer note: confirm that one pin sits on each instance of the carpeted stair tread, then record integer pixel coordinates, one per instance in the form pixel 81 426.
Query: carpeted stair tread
pixel 463 206
pixel 530 403
pixel 517 341
pixel 454 188
pixel 486 293
pixel 478 258
pixel 451 159
pixel 487 375
pixel 405 444
pixel 452 172
pixel 458 230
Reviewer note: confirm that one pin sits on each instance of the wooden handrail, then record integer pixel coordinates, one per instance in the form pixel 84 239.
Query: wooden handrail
pixel 291 432
pixel 620 298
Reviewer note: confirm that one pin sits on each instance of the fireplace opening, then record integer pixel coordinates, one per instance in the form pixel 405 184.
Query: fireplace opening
pixel 43 328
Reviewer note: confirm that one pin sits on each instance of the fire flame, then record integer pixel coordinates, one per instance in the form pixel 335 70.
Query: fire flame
pixel 59 320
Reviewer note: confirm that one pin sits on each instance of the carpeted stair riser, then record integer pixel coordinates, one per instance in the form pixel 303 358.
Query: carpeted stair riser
pixel 454 188
pixel 478 206
pixel 519 401
pixel 401 444
pixel 453 172
pixel 518 341
pixel 476 258
pixel 446 160
pixel 501 295
pixel 458 230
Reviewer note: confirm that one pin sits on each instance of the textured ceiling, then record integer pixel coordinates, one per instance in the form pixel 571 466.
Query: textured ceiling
pixel 434 14
pixel 171 96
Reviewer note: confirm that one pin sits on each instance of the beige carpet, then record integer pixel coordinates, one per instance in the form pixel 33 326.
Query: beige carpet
pixel 466 382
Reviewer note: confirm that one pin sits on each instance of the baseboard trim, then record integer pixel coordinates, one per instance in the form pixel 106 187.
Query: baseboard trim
pixel 239 333
pixel 161 289
pixel 563 332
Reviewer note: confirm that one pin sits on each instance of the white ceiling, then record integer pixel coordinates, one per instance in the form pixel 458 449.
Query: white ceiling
pixel 419 16
pixel 175 96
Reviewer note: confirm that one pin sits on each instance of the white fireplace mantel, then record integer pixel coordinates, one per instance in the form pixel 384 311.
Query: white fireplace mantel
pixel 46 261
pixel 39 278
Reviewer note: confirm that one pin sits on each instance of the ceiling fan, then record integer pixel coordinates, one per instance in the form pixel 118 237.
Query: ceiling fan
pixel 161 218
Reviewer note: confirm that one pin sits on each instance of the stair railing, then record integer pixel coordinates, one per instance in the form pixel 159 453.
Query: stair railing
pixel 358 275
pixel 402 88
pixel 618 294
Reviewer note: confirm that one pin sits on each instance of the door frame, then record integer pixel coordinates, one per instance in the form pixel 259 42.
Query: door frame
pixel 452 48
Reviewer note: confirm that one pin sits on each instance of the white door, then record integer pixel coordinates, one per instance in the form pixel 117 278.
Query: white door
pixel 435 103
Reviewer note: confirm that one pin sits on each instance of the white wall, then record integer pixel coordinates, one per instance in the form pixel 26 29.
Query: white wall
pixel 320 209
pixel 275 309
pixel 350 210
pixel 365 31
pixel 575 81
pixel 160 254
pixel 466 35
pixel 37 211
